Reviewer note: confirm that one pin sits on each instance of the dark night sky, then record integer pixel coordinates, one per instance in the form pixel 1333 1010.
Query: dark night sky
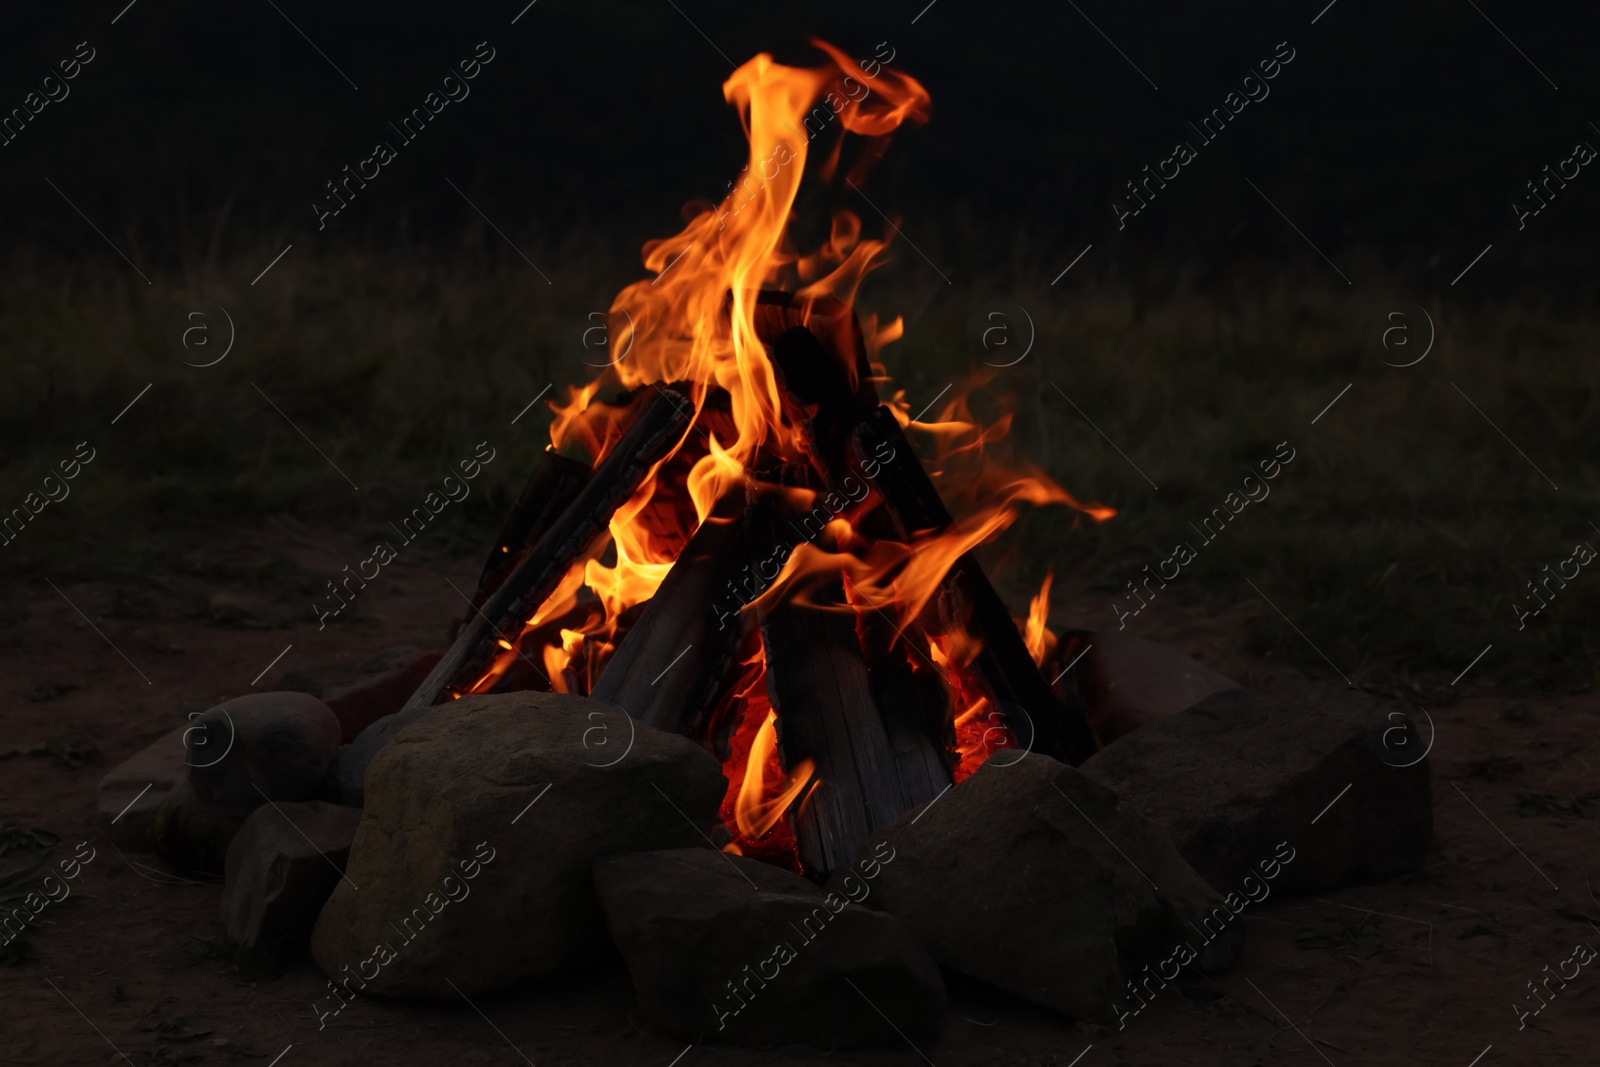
pixel 1397 132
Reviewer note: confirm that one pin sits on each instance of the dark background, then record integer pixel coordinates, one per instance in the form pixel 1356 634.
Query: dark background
pixel 1394 553
pixel 1399 134
pixel 1179 352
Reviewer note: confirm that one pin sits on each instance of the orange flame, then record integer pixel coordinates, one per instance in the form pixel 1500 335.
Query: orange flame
pixel 760 806
pixel 1036 633
pixel 693 326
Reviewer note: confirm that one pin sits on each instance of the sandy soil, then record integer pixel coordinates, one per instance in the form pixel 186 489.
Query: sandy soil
pixel 1425 969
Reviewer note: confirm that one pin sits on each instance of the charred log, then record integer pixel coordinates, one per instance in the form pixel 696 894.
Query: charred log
pixel 968 602
pixel 834 326
pixel 678 657
pixel 554 484
pixel 847 436
pixel 580 526
pixel 911 695
pixel 818 683
pixel 871 763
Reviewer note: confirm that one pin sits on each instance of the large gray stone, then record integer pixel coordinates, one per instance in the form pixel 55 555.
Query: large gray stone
pixel 281 867
pixel 260 747
pixel 131 792
pixel 1036 879
pixel 1128 682
pixel 1232 777
pixel 730 949
pixel 483 820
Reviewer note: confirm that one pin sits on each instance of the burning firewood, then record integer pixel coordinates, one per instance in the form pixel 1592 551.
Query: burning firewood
pixel 678 658
pixel 551 489
pixel 845 435
pixel 818 683
pixel 583 522
pixel 868 768
pixel 882 655
pixel 968 602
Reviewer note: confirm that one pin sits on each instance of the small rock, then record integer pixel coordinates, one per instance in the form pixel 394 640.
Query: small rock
pixel 1034 878
pixel 501 798
pixel 1237 774
pixel 191 834
pixel 731 949
pixel 346 781
pixel 264 746
pixel 281 867
pixel 402 670
pixel 1128 682
pixel 125 805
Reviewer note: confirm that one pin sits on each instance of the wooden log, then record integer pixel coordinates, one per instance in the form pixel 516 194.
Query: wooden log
pixel 967 600
pixel 847 436
pixel 554 484
pixel 658 426
pixel 869 768
pixel 818 684
pixel 764 545
pixel 913 500
pixel 1068 671
pixel 821 397
pixel 678 658
pixel 833 324
pixel 913 698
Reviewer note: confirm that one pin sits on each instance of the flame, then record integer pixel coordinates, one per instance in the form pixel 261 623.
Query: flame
pixel 965 469
pixel 756 777
pixel 1036 633
pixel 906 576
pixel 692 326
pixel 980 728
pixel 760 804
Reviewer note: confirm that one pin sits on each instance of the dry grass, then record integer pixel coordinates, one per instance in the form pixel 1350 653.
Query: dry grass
pixel 1397 538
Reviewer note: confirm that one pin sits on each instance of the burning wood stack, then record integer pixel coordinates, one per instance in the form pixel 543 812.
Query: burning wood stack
pixel 745 547
pixel 742 549
pixel 861 698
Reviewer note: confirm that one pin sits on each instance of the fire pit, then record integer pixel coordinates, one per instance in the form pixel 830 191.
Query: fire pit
pixel 743 547
pixel 734 628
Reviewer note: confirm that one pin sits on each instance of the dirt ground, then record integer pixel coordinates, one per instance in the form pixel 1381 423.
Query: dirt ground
pixel 1426 969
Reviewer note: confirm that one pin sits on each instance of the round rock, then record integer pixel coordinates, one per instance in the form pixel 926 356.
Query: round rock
pixel 265 746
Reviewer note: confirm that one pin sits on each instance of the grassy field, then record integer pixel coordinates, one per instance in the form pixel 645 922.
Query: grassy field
pixel 1397 538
